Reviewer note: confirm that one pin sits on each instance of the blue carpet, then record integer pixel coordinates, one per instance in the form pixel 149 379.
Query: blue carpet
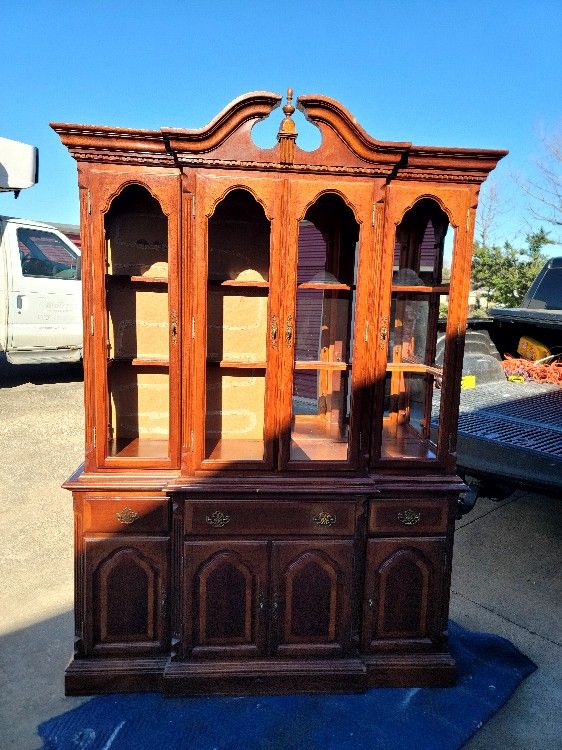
pixel 490 669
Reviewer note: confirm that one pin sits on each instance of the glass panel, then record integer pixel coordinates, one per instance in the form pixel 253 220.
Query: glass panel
pixel 138 320
pixel 327 258
pixel 237 328
pixel 408 429
pixel 44 255
pixel 137 235
pixel 235 414
pixel 323 325
pixel 320 426
pixel 138 411
pixel 238 240
pixel 409 328
pixel 237 325
pixel 418 250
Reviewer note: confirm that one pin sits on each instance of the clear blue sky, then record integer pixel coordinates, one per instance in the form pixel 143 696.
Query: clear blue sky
pixel 482 73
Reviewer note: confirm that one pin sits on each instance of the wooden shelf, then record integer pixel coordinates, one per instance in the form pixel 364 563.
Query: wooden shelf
pixel 240 284
pixel 236 450
pixel 325 287
pixel 420 289
pixel 319 365
pixel 402 442
pixel 413 367
pixel 139 361
pixel 138 279
pixel 313 439
pixel 149 448
pixel 237 364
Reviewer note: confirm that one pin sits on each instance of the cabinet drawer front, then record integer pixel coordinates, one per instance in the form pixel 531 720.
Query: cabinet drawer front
pixel 126 515
pixel 409 516
pixel 227 517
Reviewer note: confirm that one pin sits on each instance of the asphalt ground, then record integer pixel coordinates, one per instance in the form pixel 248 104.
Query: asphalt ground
pixel 506 572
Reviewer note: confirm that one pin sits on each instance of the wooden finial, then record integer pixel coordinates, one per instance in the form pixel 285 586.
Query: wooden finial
pixel 288 108
pixel 287 134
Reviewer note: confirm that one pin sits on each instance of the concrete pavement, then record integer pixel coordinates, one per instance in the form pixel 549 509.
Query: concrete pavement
pixel 505 578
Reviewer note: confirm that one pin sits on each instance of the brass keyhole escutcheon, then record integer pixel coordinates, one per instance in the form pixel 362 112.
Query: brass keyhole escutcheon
pixel 274 331
pixel 289 330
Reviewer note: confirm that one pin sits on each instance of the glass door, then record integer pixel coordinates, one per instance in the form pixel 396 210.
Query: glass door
pixel 320 335
pixel 240 328
pixel 418 311
pixel 136 324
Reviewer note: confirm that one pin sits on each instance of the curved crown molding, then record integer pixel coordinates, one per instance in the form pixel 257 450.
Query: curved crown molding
pixel 250 107
pixel 321 110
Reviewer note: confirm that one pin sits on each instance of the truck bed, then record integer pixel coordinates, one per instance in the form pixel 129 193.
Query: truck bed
pixel 513 431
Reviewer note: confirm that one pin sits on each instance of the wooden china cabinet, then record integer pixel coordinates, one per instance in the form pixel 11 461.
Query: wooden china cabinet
pixel 273 342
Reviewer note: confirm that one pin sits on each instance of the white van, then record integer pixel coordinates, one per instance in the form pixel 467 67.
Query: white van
pixel 40 294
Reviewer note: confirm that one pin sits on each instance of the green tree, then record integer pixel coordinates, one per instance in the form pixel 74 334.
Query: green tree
pixel 506 273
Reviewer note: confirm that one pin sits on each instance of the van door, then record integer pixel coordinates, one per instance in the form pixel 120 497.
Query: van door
pixel 44 308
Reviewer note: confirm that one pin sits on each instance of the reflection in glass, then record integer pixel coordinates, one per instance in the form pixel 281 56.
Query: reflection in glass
pixel 320 427
pixel 326 277
pixel 408 408
pixel 323 325
pixel 419 246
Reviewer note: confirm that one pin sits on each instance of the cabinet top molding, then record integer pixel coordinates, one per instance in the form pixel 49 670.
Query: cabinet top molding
pixel 226 143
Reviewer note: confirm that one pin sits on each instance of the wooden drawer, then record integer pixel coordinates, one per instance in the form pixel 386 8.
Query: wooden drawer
pixel 409 516
pixel 278 517
pixel 126 515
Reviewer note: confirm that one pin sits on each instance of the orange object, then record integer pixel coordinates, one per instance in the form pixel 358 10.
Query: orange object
pixel 540 371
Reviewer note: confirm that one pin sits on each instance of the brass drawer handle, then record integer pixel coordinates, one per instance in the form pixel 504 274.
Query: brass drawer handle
pixel 324 519
pixel 409 517
pixel 218 519
pixel 127 516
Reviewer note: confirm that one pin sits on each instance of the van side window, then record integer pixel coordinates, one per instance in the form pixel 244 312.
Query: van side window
pixel 44 255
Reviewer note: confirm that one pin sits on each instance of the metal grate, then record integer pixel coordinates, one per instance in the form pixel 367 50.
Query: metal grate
pixel 527 416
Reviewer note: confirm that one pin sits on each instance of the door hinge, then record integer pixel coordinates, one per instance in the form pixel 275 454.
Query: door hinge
pixel 193 206
pixel 373 215
pixel 89 203
pixel 192 442
pixel 193 327
pixel 467 218
pixel 94 436
pixel 91 325
pixel 367 330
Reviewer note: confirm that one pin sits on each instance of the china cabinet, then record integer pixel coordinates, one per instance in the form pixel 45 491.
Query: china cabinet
pixel 273 343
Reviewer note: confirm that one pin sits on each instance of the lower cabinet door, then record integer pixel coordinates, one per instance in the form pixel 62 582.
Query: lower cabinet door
pixel 311 600
pixel 126 595
pixel 225 598
pixel 404 592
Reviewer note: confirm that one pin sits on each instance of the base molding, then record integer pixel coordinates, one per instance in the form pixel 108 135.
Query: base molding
pixel 258 676
pixel 96 675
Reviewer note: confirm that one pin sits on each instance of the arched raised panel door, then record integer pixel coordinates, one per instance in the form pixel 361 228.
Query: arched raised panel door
pixel 403 592
pixel 126 595
pixel 225 590
pixel 311 599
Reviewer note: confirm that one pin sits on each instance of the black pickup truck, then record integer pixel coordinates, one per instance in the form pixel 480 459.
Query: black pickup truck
pixel 510 433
